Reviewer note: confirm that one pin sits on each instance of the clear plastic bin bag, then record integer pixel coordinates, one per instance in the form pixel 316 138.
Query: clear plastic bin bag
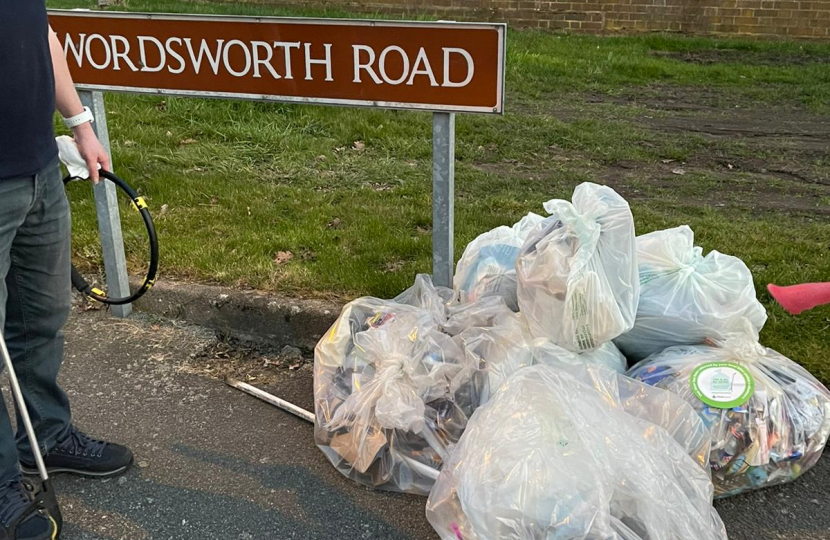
pixel 685 297
pixel 488 265
pixel 492 355
pixel 577 452
pixel 577 272
pixel 494 352
pixel 776 433
pixel 484 313
pixel 385 415
pixel 425 295
pixel 607 355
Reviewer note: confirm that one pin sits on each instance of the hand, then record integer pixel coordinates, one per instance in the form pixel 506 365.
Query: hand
pixel 91 150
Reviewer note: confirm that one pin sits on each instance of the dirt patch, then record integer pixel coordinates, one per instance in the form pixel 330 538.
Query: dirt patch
pixel 286 372
pixel 737 56
pixel 249 363
pixel 801 133
pixel 708 179
pixel 753 193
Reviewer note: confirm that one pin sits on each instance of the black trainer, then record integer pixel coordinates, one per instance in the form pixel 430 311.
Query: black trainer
pixel 20 516
pixel 80 454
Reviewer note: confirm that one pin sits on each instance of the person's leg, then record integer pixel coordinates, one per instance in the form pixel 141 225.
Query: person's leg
pixel 39 295
pixel 16 197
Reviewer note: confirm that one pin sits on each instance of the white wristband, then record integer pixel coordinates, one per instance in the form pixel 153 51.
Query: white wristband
pixel 79 119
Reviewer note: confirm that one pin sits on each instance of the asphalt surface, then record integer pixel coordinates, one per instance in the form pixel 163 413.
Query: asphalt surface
pixel 213 463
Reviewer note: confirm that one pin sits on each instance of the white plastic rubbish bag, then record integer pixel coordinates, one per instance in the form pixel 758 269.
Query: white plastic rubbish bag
pixel 607 355
pixel 577 452
pixel 769 418
pixel 685 297
pixel 577 271
pixel 488 265
pixel 384 412
pixel 493 352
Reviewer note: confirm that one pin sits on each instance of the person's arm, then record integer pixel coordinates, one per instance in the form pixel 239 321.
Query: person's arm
pixel 69 104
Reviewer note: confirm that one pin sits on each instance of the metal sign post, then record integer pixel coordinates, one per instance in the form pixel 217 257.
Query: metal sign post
pixel 109 217
pixel 443 196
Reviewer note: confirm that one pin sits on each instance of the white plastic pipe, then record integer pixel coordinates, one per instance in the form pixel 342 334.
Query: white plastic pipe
pixel 272 399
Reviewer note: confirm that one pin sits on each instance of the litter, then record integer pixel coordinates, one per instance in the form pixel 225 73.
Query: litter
pixel 384 413
pixel 492 354
pixel 484 313
pixel 524 426
pixel 299 412
pixel 488 265
pixel 685 297
pixel 769 418
pixel 571 452
pixel 577 272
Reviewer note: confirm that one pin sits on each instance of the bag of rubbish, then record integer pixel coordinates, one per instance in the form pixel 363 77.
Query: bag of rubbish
pixel 483 313
pixel 685 297
pixel 488 265
pixel 607 355
pixel 501 345
pixel 577 271
pixel 577 452
pixel 492 354
pixel 425 295
pixel 769 418
pixel 384 412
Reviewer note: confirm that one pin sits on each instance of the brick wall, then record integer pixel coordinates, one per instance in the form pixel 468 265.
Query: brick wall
pixel 767 18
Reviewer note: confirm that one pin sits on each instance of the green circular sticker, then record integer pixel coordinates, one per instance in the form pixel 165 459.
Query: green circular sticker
pixel 722 385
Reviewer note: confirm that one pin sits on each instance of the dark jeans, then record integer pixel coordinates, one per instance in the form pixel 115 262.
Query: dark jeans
pixel 35 229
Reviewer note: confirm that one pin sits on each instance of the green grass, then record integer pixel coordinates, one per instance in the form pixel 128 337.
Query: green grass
pixel 242 181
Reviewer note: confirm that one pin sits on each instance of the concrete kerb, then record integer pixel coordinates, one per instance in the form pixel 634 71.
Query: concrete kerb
pixel 243 314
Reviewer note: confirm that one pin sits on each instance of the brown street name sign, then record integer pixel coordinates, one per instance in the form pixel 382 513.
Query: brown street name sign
pixel 441 67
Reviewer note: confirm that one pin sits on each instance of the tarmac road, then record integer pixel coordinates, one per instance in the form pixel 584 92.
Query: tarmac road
pixel 213 463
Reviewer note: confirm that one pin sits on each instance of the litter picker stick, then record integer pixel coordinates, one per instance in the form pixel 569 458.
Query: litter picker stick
pixel 272 399
pixel 45 499
pixel 21 408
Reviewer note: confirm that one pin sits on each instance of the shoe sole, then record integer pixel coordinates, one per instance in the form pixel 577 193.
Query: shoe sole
pixel 65 470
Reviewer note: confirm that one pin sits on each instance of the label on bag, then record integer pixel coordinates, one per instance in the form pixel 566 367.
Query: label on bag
pixel 723 385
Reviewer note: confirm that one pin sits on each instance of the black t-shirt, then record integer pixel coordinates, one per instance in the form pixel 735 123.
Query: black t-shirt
pixel 27 89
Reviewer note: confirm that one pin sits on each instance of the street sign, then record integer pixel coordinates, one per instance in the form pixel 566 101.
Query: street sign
pixel 439 67
pixel 442 67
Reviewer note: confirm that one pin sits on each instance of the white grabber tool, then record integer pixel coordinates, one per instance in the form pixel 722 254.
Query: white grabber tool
pixel 44 499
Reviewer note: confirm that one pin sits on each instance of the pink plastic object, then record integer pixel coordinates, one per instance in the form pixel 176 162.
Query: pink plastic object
pixel 798 298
